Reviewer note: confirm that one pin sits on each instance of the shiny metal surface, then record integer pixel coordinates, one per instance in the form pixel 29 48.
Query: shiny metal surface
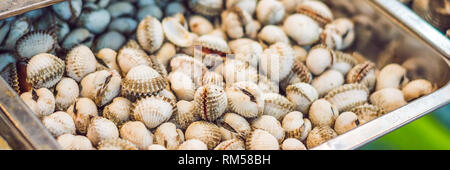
pixel 10 8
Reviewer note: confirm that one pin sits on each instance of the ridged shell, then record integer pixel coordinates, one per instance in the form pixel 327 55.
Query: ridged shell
pixel 67 91
pixel 213 44
pixel 232 144
pixel 175 31
pixel 246 50
pixel 142 81
pixel 193 144
pixel 319 135
pixel 302 29
pixel 339 34
pixel 294 125
pixel 186 114
pixel 44 70
pixel 153 111
pixel 266 85
pixel 270 12
pixel 292 144
pixel 299 73
pixel 129 57
pixel 206 7
pixel 213 78
pixel 169 136
pixel 261 140
pixel 388 98
pixel 272 34
pixel 367 112
pixel 245 99
pixel 344 62
pixel 35 42
pixel 301 95
pixel 101 129
pixel 271 125
pixel 118 111
pixel 150 34
pixel 319 58
pixel 116 144
pixel 59 123
pixel 277 105
pixel 136 133
pixel 317 10
pixel 236 71
pixel 327 81
pixel 235 124
pixel 277 61
pixel 207 132
pixel 348 96
pixel 190 66
pixel 82 111
pixel 363 73
pixel 40 101
pixel 323 113
pixel 101 86
pixel 74 142
pixel 210 102
pixel 80 61
pixel 345 122
pixel 182 85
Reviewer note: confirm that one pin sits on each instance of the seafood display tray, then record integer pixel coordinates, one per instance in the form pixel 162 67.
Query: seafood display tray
pixel 423 48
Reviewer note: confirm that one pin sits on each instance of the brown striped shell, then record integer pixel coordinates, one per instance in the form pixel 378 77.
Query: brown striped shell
pixel 363 73
pixel 367 112
pixel 292 144
pixel 296 126
pixel 348 96
pixel 142 81
pixel 299 73
pixel 153 110
pixel 150 34
pixel 206 7
pixel 245 99
pixel 82 111
pixel 206 132
pixel 185 114
pixel 210 102
pixel 317 10
pixel 301 95
pixel 44 70
pixel 319 135
pixel 232 144
pixel 277 105
pixel 118 111
pixel 116 144
pixel 80 61
pixel 344 62
pixel 235 124
pixel 261 140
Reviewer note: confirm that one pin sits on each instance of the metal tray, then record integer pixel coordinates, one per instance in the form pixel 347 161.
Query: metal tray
pixel 410 39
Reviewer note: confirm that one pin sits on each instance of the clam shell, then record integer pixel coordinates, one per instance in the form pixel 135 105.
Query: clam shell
pixel 272 34
pixel 59 123
pixel 319 135
pixel 44 70
pixel 153 111
pixel 80 61
pixel 317 10
pixel 232 144
pixel 82 111
pixel 212 43
pixel 319 58
pixel 182 85
pixel 266 85
pixel 327 81
pixel 348 96
pixel 101 129
pixel 169 136
pixel 271 125
pixel 301 95
pixel 193 144
pixel 150 34
pixel 67 92
pixel 142 81
pixel 185 114
pixel 261 140
pixel 213 78
pixel 40 101
pixel 136 133
pixel 175 31
pixel 345 122
pixel 246 99
pixel 156 147
pixel 270 12
pixel 109 57
pixel 323 113
pixel 118 111
pixel 190 66
pixel 206 7
pixel 210 102
pixel 165 53
pixel 74 142
pixel 236 71
pixel 388 98
pixel 367 112
pixel 104 87
pixel 277 105
pixel 344 62
pixel 292 144
pixel 246 50
pixel 339 34
pixel 235 124
pixel 363 73
pixel 417 88
pixel 129 57
pixel 35 42
pixel 116 144
pixel 208 133
pixel 299 73
pixel 200 25
pixel 391 76
pixel 294 125
pixel 302 29
pixel 277 61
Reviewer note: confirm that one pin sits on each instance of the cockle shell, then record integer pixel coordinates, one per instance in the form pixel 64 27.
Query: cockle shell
pixel 80 61
pixel 142 81
pixel 175 31
pixel 136 133
pixel 109 57
pixel 246 99
pixel 40 101
pixel 210 102
pixel 348 96
pixel 299 73
pixel 270 12
pixel 129 57
pixel 190 66
pixel 101 129
pixel 300 53
pixel 277 105
pixel 35 42
pixel 301 95
pixel 150 34
pixel 327 81
pixel 59 123
pixel 207 132
pixel 277 61
pixel 232 144
pixel 388 98
pixel 103 88
pixel 116 144
pixel 323 113
pixel 296 126
pixel 339 34
pixel 82 111
pixel 234 71
pixel 153 111
pixel 344 62
pixel 182 85
pixel 317 10
pixel 193 144
pixel 272 34
pixel 417 88
pixel 320 58
pixel 266 85
pixel 169 136
pixel 363 73
pixel 346 121
pixel 118 111
pixel 165 53
pixel 319 135
pixel 271 125
pixel 232 24
pixel 206 7
pixel 292 144
pixel 213 78
pixel 156 147
pixel 235 124
pixel 302 29
pixel 391 76
pixel 246 50
pixel 212 45
pixel 44 70
pixel 185 114
pixel 74 142
pixel 261 140
pixel 246 5
pixel 200 25
pixel 367 112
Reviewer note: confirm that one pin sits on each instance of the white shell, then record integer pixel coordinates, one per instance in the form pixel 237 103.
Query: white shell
pixel 128 58
pixel 345 122
pixel 169 136
pixel 245 99
pixel 319 59
pixel 303 29
pixel 116 144
pixel 388 99
pixel 185 114
pixel 101 129
pixel 207 132
pixel 74 142
pixel 175 31
pixel 156 147
pixel 41 101
pixel 182 85
pixel 319 135
pixel 246 50
pixel 271 125
pixel 153 111
pixel 301 95
pixel 261 140
pixel 277 105
pixel 277 61
pixel 272 34
pixel 232 144
pixel 136 133
pixel 118 111
pixel 236 124
pixel 82 111
pixel 327 81
pixel 44 70
pixel 348 96
pixel 292 144
pixel 295 125
pixel 270 11
pixel 192 144
pixel 417 88
pixel 210 102
pixel 150 34
pixel 103 88
pixel 391 76
pixel 109 56
pixel 142 81
pixel 80 61
pixel 67 91
pixel 323 113
pixel 59 123
pixel 200 25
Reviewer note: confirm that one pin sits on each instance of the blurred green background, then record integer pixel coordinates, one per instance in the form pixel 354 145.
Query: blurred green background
pixel 431 132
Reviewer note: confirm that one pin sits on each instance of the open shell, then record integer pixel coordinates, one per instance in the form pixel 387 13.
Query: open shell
pixel 175 31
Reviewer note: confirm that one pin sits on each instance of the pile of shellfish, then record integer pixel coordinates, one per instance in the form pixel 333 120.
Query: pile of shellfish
pixel 197 74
